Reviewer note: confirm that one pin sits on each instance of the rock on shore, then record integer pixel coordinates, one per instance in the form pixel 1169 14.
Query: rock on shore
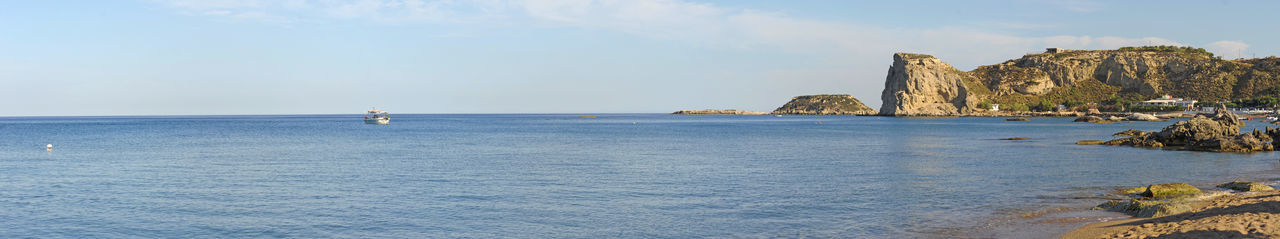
pixel 1250 214
pixel 1155 200
pixel 1246 186
pixel 824 105
pixel 1169 190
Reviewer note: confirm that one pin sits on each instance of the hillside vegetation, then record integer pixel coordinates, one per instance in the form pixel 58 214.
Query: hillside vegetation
pixel 1110 79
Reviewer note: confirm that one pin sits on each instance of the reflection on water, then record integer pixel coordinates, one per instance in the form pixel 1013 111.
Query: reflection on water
pixel 561 176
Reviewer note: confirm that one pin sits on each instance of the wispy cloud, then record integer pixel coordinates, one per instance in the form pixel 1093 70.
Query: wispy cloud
pixel 863 48
pixel 1228 49
pixel 668 19
pixel 1077 5
pixel 1022 25
pixel 266 11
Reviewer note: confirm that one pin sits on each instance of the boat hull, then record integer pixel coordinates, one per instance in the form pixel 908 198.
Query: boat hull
pixel 377 121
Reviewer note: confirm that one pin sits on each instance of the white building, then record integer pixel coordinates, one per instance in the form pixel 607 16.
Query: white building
pixel 1167 100
pixel 995 107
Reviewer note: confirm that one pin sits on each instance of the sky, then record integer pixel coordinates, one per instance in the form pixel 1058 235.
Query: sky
pixel 216 57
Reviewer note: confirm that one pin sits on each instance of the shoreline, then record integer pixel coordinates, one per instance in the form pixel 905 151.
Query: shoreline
pixel 1217 213
pixel 1231 215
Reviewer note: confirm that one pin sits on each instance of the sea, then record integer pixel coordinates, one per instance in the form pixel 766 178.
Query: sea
pixel 562 176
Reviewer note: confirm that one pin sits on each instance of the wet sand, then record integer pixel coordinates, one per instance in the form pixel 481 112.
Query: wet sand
pixel 1236 215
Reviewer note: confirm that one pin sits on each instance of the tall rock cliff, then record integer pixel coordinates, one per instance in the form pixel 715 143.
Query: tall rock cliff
pixel 824 105
pixel 921 85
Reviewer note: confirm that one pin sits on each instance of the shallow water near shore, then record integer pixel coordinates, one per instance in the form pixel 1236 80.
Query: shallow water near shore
pixel 539 176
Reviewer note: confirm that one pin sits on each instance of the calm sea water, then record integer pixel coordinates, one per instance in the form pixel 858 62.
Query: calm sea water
pixel 558 176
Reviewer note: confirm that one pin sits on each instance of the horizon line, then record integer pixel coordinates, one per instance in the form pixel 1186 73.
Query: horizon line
pixel 191 115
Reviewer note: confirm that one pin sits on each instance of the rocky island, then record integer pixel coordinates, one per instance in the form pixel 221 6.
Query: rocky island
pixel 824 105
pixel 923 85
pixel 802 105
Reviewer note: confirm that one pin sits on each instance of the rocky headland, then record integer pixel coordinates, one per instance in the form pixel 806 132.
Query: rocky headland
pixel 923 85
pixel 824 105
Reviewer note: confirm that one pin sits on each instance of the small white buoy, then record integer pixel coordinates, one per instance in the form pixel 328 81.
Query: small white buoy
pixel 48 147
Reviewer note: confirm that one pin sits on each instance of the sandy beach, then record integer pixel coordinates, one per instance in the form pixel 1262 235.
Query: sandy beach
pixel 1236 215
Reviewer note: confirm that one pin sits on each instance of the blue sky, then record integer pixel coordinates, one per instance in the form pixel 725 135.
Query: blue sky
pixel 180 57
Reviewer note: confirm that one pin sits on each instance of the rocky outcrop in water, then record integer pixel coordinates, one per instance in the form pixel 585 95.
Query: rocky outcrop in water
pixel 1142 117
pixel 1217 132
pixel 923 85
pixel 824 105
pixel 1092 119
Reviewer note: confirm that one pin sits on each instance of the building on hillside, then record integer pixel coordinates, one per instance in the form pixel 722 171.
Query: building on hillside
pixel 1167 100
pixel 995 107
pixel 1056 50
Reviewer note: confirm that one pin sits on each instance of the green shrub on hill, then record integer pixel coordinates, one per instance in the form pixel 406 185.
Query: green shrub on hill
pixel 1043 105
pixel 1017 107
pixel 984 105
pixel 1177 49
pixel 915 56
pixel 1199 76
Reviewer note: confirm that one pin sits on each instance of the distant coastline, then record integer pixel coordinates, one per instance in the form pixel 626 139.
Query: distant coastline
pixel 717 112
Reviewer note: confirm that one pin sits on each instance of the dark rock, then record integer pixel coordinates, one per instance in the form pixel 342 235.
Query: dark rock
pixel 1238 143
pixel 1090 142
pixel 1017 119
pixel 1133 190
pixel 1146 208
pixel 1261 135
pixel 1130 132
pixel 1015 138
pixel 1246 186
pixel 1196 129
pixel 1217 132
pixel 1137 141
pixel 1274 134
pixel 1091 119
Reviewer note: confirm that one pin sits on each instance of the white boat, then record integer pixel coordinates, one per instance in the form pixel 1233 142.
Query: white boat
pixel 375 116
